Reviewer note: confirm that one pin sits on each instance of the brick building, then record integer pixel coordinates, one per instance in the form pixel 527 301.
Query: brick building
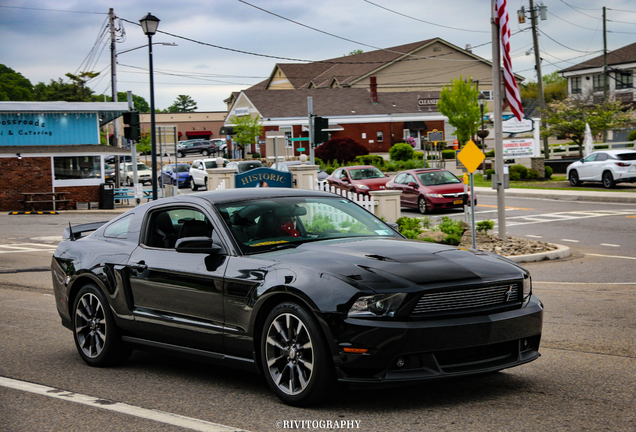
pixel 54 147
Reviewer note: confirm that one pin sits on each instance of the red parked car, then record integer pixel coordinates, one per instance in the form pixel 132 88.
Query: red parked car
pixel 359 179
pixel 428 189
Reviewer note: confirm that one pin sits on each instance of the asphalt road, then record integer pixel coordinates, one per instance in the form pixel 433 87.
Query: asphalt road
pixel 584 380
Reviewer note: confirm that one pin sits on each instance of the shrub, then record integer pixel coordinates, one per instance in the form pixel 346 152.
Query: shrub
pixel 490 153
pixel 533 174
pixel 548 172
pixel 418 155
pixel 409 227
pixel 401 152
pixel 632 136
pixel 490 172
pixel 519 169
pixel 484 226
pixel 341 149
pixel 375 160
pixel 448 154
pixel 451 227
pixel 256 155
pixel 453 239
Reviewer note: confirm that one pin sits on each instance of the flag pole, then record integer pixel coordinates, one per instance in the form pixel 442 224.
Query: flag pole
pixel 499 165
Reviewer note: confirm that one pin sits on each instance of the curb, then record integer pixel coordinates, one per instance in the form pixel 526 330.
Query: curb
pixel 561 252
pixel 607 197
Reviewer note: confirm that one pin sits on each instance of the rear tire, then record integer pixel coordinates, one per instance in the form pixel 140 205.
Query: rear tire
pixel 608 180
pixel 205 183
pixel 421 205
pixel 180 154
pixel 97 338
pixel 294 356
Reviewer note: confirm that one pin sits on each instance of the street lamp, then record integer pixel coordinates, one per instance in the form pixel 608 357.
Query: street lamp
pixel 481 99
pixel 149 25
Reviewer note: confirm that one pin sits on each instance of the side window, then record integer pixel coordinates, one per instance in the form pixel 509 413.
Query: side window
pixel 118 229
pixel 410 179
pixel 601 157
pixel 591 157
pixel 400 178
pixel 166 226
pixel 338 174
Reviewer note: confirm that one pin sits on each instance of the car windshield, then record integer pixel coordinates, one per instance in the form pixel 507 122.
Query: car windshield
pixel 249 166
pixel 626 156
pixel 437 178
pixel 141 167
pixel 366 173
pixel 210 164
pixel 275 223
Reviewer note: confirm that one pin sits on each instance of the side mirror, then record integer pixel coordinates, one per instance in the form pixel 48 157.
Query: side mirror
pixel 581 160
pixel 202 245
pixel 345 179
pixel 386 175
pixel 413 185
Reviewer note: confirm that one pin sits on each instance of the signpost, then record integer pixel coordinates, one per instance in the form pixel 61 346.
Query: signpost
pixel 434 137
pixel 471 157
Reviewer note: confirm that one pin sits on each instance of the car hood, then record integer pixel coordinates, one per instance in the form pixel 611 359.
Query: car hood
pixel 445 188
pixel 372 183
pixel 398 263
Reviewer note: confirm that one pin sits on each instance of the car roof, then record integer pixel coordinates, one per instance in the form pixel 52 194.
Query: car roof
pixel 359 167
pixel 615 151
pixel 419 170
pixel 242 194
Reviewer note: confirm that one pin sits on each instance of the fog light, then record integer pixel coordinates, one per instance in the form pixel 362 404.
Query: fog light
pixel 400 362
pixel 525 344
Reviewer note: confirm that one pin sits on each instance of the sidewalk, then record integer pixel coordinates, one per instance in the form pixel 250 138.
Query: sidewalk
pixel 564 195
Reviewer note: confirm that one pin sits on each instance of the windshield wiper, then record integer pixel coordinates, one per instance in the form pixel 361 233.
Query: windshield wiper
pixel 285 246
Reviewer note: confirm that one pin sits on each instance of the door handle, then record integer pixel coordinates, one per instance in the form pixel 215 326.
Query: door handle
pixel 139 267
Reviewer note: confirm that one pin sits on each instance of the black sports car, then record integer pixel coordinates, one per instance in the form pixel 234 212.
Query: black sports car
pixel 304 287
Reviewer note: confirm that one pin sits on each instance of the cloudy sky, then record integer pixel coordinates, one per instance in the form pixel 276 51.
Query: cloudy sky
pixel 229 45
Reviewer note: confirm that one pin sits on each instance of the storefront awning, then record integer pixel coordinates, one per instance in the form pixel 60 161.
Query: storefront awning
pixel 333 127
pixel 198 133
pixel 415 125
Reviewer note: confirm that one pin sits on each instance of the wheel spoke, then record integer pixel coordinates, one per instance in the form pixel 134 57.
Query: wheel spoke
pixel 277 344
pixel 301 378
pixel 307 364
pixel 273 360
pixel 279 378
pixel 307 345
pixel 281 331
pixel 82 315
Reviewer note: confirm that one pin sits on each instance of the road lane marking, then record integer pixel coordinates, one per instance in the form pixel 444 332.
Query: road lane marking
pixel 610 245
pixel 563 216
pixel 120 407
pixel 611 256
pixel 507 208
pixel 533 236
pixel 26 247
pixel 585 283
pixel 571 241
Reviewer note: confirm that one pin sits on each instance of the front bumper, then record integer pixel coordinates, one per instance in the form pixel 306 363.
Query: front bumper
pixel 407 351
pixel 444 203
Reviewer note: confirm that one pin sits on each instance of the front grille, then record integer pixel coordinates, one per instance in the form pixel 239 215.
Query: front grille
pixel 460 300
pixel 453 195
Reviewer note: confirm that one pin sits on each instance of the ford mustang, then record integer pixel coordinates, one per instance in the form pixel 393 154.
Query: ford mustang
pixel 304 287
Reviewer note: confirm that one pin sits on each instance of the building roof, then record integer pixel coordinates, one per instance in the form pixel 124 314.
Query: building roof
pixel 334 102
pixel 108 111
pixel 627 54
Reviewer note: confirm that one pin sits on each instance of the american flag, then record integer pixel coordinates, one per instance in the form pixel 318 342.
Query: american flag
pixel 512 92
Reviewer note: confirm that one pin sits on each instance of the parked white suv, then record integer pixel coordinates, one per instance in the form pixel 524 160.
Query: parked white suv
pixel 607 166
pixel 144 174
pixel 199 173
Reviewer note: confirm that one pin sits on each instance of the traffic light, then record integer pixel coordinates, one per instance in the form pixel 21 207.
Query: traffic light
pixel 133 130
pixel 320 135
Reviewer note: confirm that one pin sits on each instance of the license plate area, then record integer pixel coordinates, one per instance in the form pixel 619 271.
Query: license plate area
pixel 457 201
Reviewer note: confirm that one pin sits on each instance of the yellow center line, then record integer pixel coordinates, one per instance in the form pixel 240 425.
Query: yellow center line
pixel 510 208
pixel 631 216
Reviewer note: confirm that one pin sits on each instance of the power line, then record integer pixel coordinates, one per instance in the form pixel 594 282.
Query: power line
pixel 579 11
pixel 53 10
pixel 420 20
pixel 564 46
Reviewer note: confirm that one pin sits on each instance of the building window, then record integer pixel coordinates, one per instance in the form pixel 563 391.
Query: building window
pixel 77 167
pixel 624 80
pixel 488 94
pixel 380 136
pixel 598 82
pixel 576 85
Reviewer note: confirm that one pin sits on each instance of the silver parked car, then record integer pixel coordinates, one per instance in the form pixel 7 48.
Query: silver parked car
pixel 607 166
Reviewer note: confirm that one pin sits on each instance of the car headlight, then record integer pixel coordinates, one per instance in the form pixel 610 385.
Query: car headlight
pixel 363 187
pixel 435 195
pixel 379 305
pixel 527 286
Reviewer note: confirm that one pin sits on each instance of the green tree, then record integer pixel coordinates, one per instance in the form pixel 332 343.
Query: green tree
pixel 14 86
pixel 140 103
pixel 75 91
pixel 355 52
pixel 555 87
pixel 79 83
pixel 569 117
pixel 247 129
pixel 458 102
pixel 184 103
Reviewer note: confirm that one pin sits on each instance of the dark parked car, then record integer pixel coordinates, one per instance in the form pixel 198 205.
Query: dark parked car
pixel 304 287
pixel 171 172
pixel 203 147
pixel 284 167
pixel 244 166
pixel 358 179
pixel 429 189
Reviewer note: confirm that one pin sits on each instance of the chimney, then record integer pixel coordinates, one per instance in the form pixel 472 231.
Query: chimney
pixel 374 89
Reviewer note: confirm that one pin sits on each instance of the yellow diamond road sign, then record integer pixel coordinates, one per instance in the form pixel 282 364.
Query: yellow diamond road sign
pixel 471 156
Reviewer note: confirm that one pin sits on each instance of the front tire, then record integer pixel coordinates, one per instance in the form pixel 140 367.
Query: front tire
pixel 193 185
pixel 421 205
pixel 96 336
pixel 294 356
pixel 574 178
pixel 205 153
pixel 180 154
pixel 608 180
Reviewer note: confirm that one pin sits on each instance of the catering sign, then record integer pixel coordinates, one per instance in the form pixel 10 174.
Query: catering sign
pixel 48 128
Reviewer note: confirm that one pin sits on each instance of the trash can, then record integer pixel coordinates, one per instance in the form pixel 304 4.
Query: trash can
pixel 107 196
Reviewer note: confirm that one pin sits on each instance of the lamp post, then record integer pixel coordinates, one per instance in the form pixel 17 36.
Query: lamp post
pixel 481 99
pixel 149 25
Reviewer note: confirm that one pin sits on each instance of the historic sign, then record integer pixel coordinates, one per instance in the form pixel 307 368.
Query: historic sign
pixel 263 177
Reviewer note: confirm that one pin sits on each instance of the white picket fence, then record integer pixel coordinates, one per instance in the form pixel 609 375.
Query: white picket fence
pixel 363 201
pixel 221 185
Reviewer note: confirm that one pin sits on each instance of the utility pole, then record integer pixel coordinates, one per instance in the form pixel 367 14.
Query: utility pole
pixel 310 109
pixel 605 77
pixel 113 85
pixel 537 60
pixel 499 164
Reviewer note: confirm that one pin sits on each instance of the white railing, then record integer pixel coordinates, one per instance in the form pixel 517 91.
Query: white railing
pixel 221 185
pixel 363 201
pixel 573 150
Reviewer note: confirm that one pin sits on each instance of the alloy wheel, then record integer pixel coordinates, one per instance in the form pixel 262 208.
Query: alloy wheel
pixel 289 352
pixel 90 325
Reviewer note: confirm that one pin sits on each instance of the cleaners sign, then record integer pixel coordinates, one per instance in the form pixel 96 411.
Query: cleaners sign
pixel 48 129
